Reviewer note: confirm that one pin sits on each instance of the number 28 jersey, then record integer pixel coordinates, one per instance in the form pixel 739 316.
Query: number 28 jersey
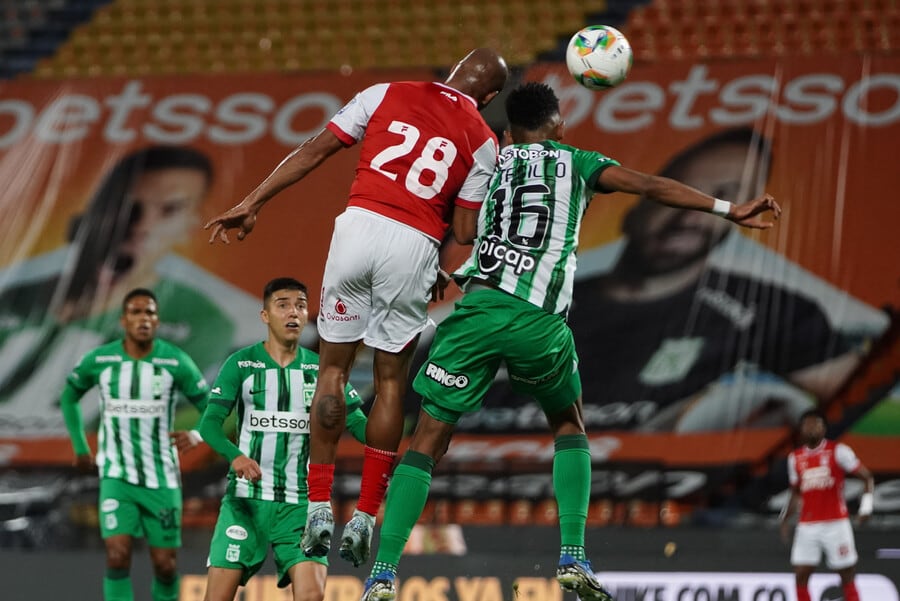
pixel 425 147
pixel 529 223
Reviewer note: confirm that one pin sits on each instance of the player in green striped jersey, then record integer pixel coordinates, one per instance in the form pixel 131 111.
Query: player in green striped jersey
pixel 270 385
pixel 140 481
pixel 518 285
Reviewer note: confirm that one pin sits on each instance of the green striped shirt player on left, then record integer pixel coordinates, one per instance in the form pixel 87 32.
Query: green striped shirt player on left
pixel 139 378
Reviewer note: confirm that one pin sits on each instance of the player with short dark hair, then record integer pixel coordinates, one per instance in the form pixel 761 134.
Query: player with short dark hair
pixel 138 377
pixel 426 154
pixel 270 384
pixel 816 472
pixel 518 283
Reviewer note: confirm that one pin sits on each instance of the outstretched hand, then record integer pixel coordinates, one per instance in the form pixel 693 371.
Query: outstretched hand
pixel 753 214
pixel 240 216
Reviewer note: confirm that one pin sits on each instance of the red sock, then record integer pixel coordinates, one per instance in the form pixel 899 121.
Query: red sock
pixel 850 592
pixel 319 481
pixel 376 472
pixel 803 594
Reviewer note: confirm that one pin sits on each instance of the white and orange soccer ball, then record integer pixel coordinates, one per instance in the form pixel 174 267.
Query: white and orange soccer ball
pixel 599 57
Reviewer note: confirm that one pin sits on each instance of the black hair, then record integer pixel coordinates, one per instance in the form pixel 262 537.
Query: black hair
pixel 110 214
pixel 282 284
pixel 145 292
pixel 531 105
pixel 817 413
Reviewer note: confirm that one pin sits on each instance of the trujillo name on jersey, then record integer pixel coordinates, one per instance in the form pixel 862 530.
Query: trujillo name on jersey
pixel 529 223
pixel 273 404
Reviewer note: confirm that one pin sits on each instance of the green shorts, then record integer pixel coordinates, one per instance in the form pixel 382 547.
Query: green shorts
pixel 489 328
pixel 140 511
pixel 246 528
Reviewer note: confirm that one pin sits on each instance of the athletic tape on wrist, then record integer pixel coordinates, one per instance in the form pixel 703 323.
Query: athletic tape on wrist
pixel 720 207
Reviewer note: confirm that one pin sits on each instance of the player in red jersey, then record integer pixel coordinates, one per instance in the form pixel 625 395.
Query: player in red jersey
pixel 426 154
pixel 816 472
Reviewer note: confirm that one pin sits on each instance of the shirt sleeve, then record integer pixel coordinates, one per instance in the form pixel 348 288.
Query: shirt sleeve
pixel 591 166
pixel 227 388
pixel 478 180
pixel 192 383
pixel 792 470
pixel 846 458
pixel 350 123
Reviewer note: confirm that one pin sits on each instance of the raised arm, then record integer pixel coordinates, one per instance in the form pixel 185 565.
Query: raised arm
pixel 675 194
pixel 294 167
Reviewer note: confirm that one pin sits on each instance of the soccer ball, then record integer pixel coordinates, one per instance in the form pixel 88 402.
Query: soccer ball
pixel 599 57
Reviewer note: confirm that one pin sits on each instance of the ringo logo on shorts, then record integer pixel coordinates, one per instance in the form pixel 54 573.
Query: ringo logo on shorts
pixel 445 378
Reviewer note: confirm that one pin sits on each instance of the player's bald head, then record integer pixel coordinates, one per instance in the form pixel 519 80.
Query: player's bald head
pixel 481 74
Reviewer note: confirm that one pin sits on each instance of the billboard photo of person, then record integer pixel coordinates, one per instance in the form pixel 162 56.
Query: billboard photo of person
pixel 684 325
pixel 58 305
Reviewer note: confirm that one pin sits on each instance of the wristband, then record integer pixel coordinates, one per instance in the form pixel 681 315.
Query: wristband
pixel 195 437
pixel 866 504
pixel 720 207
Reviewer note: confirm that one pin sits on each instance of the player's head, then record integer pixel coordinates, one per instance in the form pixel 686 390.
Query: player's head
pixel 285 309
pixel 532 110
pixel 732 165
pixel 140 316
pixel 812 427
pixel 481 74
pixel 146 205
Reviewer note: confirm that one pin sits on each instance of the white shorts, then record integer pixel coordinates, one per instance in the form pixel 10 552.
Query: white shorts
pixel 377 281
pixel 834 537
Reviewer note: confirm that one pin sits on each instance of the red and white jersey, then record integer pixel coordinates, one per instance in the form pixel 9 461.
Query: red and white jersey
pixel 819 475
pixel 425 147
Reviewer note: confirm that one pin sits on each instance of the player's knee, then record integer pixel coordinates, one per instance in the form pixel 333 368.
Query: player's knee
pixel 165 566
pixel 309 592
pixel 118 554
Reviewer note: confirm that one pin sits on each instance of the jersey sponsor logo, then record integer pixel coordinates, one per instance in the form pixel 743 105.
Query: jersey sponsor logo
pixel 731 308
pixel 511 152
pixel 233 553
pixel 278 421
pixel 493 253
pixel 136 408
pixel 236 532
pixel 452 97
pixel 216 390
pixel 164 361
pixel 309 367
pixel 816 478
pixel 109 505
pixel 108 359
pixel 445 378
pixel 258 364
pixel 340 307
pixel 340 312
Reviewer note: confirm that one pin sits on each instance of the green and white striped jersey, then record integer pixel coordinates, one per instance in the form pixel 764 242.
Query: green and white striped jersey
pixel 137 399
pixel 529 223
pixel 273 405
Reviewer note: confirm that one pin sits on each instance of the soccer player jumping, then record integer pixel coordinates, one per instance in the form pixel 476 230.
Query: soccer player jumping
pixel 518 285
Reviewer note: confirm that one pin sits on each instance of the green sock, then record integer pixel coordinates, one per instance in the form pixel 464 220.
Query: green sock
pixel 405 501
pixel 117 586
pixel 165 591
pixel 572 487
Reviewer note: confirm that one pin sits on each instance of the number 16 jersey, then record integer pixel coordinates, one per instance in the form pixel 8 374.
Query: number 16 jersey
pixel 425 147
pixel 529 223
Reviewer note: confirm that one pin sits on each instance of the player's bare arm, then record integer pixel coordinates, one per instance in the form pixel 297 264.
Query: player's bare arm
pixel 752 214
pixel 866 502
pixel 465 224
pixel 294 167
pixel 786 512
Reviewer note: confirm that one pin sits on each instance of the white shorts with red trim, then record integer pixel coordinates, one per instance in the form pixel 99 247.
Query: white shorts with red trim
pixel 377 281
pixel 833 537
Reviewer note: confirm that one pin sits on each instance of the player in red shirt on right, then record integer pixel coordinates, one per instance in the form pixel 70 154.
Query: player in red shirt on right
pixel 816 472
pixel 426 154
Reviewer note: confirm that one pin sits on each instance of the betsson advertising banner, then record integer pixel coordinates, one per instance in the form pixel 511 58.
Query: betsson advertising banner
pixel 734 332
